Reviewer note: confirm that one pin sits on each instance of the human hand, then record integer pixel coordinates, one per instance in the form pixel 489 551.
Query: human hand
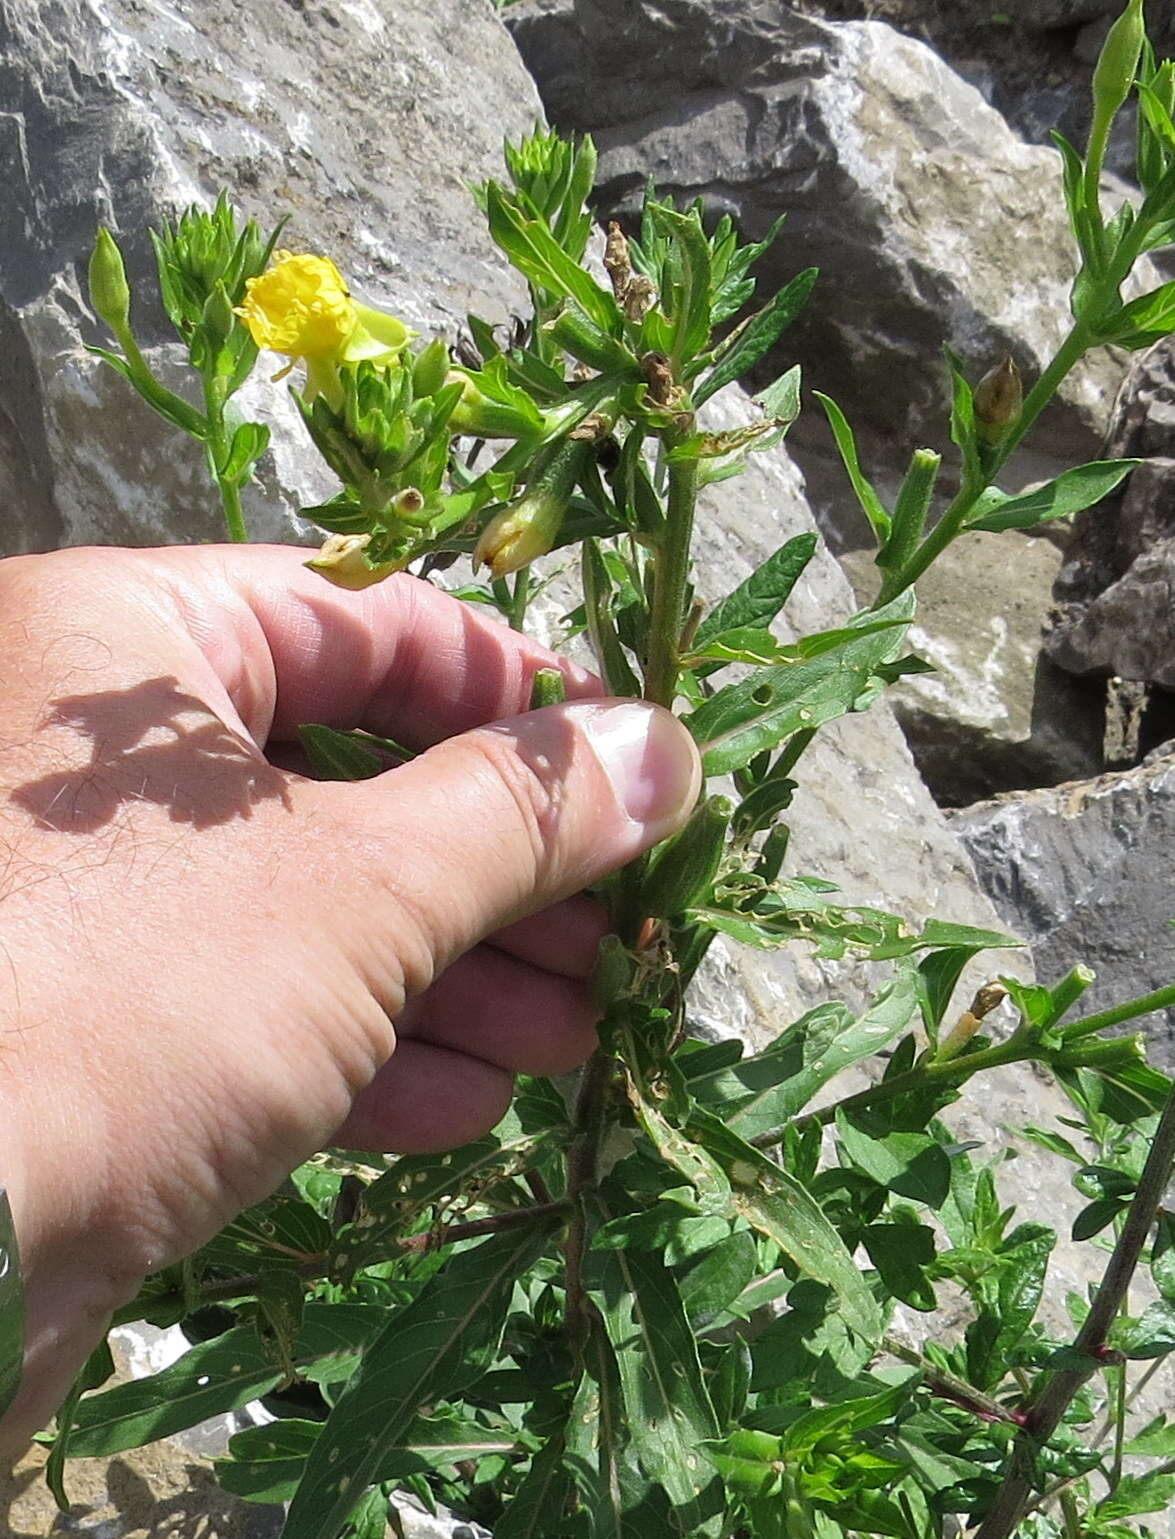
pixel 204 952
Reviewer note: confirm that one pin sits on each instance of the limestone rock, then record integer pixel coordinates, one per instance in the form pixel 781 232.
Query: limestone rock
pixel 364 120
pixel 995 715
pixel 1114 591
pixel 930 221
pixel 1083 872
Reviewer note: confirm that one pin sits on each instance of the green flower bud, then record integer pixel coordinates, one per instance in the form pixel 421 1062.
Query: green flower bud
pixel 110 293
pixel 430 369
pixel 1117 64
pixel 999 400
pixel 477 416
pixel 686 866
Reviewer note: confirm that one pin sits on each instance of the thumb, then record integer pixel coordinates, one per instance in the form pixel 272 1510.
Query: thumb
pixel 505 820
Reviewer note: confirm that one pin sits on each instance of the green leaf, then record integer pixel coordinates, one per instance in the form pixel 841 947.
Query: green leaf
pixel 777 1206
pixel 844 1419
pixel 901 1253
pixel 538 256
pixel 1163 1256
pixel 611 658
pixel 758 335
pixel 760 597
pixel 718 1277
pixel 339 755
pixel 744 719
pixel 911 1164
pixel 221 1375
pixel 866 494
pixel 268 1461
pixel 667 1408
pixel 537 1509
pixel 1151 1335
pixel 428 1351
pixel 1155 1441
pixel 11 1306
pixel 1144 321
pixel 1071 492
pixel 1137 1493
pixel 1024 1258
pixel 963 429
pixel 98 1368
pixel 765 1091
pixel 687 304
pixel 780 401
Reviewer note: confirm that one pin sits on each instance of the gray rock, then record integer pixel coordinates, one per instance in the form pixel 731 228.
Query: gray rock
pixel 364 119
pixel 1083 872
pixel 995 715
pixel 930 221
pixel 1114 591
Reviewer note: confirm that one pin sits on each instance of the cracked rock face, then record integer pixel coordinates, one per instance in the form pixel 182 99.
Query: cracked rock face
pixel 929 219
pixel 1083 872
pixel 1115 592
pixel 364 120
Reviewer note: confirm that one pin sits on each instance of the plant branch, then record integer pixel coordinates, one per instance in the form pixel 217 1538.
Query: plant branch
pixel 670 580
pixel 220 1289
pixel 947 1386
pixel 1054 1391
pixel 583 1156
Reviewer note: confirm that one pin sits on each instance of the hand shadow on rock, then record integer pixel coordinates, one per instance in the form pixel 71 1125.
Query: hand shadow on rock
pixel 150 743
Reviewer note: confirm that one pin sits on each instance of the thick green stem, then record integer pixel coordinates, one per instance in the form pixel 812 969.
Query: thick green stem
pixel 1160 999
pixel 216 448
pixel 670 580
pixel 1053 1392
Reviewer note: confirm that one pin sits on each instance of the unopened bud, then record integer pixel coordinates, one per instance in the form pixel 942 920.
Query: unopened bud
pixel 477 416
pixel 343 561
pixel 430 369
pixel 1117 64
pixel 520 533
pixel 999 399
pixel 110 293
pixel 408 504
pixel 639 297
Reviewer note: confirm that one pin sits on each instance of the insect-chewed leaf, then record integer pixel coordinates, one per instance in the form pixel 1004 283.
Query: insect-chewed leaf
pixel 758 713
pixel 667 1408
pixel 776 1205
pixel 427 1351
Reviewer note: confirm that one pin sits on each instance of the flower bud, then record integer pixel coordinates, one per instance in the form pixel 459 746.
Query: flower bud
pixel 110 293
pixel 521 533
pixel 1117 64
pixel 430 369
pixel 343 561
pixel 999 399
pixel 477 416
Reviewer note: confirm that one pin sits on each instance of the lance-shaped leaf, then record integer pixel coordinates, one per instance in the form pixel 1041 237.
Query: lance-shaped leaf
pixel 759 598
pixel 220 1375
pixel 839 675
pixel 776 1205
pixel 765 1091
pixel 667 1409
pixel 865 492
pixel 1072 492
pixel 541 260
pixel 758 334
pixel 442 1341
pixel 688 268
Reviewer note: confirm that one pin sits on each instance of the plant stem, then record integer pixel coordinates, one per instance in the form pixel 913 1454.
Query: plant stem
pixel 222 1288
pixel 216 450
pixel 1160 999
pixel 519 600
pixel 947 1386
pixel 952 1071
pixel 670 580
pixel 583 1157
pixel 1054 1391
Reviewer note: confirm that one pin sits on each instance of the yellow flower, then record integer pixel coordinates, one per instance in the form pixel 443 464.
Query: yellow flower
pixel 301 306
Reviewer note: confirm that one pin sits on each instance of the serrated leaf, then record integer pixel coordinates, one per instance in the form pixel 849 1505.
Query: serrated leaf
pixel 667 1408
pixel 1155 1441
pixel 777 1206
pixel 221 1375
pixel 1071 492
pixel 756 714
pixel 760 334
pixel 427 1351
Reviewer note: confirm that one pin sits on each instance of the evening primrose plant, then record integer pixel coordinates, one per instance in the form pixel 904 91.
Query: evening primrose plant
pixel 697 1292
